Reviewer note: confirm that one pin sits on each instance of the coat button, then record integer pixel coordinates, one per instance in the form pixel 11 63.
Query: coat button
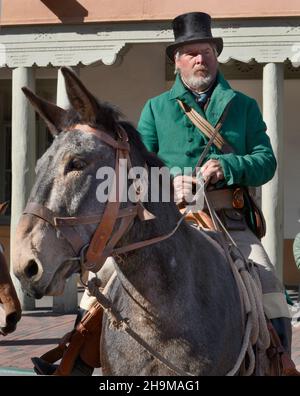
pixel 189 154
pixel 190 139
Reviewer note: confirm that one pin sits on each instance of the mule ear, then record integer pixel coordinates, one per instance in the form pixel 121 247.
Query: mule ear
pixel 50 113
pixel 80 98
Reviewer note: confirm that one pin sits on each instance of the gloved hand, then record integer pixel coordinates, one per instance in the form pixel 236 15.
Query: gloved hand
pixel 212 171
pixel 187 190
pixel 183 189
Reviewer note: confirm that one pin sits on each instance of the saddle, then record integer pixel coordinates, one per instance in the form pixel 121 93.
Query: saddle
pixel 199 218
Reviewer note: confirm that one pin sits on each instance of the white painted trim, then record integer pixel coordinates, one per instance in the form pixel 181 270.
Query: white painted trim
pixel 265 40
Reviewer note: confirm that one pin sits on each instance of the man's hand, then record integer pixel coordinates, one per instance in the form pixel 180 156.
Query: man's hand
pixel 189 191
pixel 183 188
pixel 212 171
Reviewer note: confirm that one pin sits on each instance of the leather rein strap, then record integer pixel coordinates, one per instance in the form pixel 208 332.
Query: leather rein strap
pixel 102 244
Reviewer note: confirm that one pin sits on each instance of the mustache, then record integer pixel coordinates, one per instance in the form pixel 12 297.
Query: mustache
pixel 201 68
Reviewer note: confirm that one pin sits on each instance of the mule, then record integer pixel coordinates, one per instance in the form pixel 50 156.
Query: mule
pixel 179 294
pixel 10 308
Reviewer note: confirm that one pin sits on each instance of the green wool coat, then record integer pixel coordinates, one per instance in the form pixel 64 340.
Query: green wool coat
pixel 166 130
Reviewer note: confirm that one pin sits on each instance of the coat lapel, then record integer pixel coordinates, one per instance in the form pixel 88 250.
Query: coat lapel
pixel 221 96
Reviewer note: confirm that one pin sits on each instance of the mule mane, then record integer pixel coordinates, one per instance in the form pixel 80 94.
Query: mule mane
pixel 110 123
pixel 150 158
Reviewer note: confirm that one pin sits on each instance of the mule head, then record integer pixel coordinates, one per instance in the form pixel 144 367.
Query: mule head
pixel 66 185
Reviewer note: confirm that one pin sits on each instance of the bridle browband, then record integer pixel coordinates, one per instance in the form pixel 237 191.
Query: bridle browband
pixel 102 244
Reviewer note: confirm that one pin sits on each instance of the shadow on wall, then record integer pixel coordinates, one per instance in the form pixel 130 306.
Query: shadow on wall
pixel 67 11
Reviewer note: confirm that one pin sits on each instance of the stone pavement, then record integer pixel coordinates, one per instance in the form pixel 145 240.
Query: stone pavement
pixel 40 330
pixel 37 332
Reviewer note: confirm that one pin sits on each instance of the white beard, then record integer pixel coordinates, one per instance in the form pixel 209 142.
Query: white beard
pixel 199 84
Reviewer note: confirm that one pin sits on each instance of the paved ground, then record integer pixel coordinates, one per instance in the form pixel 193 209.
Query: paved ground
pixel 40 330
pixel 37 332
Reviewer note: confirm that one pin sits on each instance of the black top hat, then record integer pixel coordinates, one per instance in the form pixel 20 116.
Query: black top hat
pixel 192 27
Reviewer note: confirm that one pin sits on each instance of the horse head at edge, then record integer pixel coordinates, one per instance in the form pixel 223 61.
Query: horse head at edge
pixel 10 308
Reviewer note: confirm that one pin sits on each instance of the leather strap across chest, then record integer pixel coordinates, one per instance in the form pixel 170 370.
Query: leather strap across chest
pixel 206 128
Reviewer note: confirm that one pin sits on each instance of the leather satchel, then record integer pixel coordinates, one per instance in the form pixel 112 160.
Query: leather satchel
pixel 257 223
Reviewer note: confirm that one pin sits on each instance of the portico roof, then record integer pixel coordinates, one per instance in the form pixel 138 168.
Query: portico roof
pixel 29 12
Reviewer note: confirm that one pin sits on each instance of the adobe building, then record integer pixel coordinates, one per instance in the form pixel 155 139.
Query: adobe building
pixel 118 50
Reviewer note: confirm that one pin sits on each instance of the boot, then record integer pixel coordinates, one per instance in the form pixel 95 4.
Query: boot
pixel 42 367
pixel 283 328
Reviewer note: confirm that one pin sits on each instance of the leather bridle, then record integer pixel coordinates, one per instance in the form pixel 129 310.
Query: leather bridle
pixel 102 244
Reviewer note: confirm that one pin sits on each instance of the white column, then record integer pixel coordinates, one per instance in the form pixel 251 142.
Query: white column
pixel 68 301
pixel 23 157
pixel 272 192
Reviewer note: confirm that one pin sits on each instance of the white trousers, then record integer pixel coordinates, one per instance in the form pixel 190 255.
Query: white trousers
pixel 274 299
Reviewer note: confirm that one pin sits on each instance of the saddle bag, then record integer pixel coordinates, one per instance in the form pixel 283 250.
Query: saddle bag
pixel 233 219
pixel 254 215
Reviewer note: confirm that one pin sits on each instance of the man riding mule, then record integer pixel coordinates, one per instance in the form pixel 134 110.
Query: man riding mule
pixel 244 159
pixel 163 265
pixel 10 309
pixel 174 125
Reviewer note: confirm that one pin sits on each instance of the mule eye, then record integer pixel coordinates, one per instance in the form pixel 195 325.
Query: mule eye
pixel 76 164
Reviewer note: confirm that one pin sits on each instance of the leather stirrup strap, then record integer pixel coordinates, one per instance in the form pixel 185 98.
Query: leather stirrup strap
pixel 70 355
pixel 86 327
pixel 55 354
pixel 76 339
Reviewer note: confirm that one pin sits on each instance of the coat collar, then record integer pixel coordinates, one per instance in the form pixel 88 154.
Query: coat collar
pixel 220 97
